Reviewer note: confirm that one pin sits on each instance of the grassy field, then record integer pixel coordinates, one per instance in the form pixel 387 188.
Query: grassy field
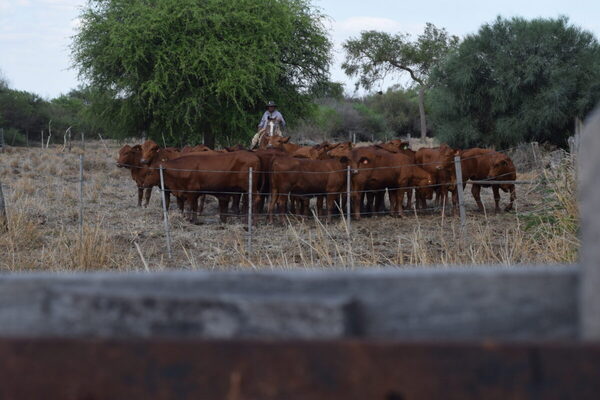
pixel 41 190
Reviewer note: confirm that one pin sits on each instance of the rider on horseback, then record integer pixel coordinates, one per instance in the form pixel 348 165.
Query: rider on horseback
pixel 271 115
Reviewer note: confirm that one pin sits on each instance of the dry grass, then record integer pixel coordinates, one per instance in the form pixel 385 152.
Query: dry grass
pixel 42 194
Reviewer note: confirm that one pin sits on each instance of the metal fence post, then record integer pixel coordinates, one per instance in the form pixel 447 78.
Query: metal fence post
pixel 459 189
pixel 82 141
pixel 81 196
pixel 3 217
pixel 348 196
pixel 250 202
pixel 42 133
pixel 165 212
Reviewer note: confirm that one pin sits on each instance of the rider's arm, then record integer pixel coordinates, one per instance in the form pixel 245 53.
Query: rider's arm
pixel 263 120
pixel 280 116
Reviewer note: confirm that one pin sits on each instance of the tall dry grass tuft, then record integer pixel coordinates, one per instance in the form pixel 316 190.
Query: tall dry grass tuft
pixel 93 250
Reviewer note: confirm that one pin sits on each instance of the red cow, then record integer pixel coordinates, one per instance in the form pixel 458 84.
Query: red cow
pixel 129 157
pixel 485 164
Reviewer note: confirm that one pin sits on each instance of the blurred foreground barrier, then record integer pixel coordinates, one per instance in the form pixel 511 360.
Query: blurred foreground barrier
pixel 479 332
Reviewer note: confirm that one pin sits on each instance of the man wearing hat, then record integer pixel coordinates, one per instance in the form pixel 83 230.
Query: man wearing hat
pixel 270 114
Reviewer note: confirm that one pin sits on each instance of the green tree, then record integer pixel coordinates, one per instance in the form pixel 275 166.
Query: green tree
pixel 399 107
pixel 516 80
pixel 189 68
pixel 374 55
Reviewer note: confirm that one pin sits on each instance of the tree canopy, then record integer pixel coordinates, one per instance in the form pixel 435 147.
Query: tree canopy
pixel 201 67
pixel 375 55
pixel 516 80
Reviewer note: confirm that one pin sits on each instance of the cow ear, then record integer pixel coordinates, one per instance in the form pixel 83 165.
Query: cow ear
pixel 286 139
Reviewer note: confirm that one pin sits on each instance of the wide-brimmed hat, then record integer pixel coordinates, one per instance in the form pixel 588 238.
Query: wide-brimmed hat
pixel 271 104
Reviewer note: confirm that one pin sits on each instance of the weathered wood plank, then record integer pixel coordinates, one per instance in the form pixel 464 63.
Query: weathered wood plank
pixel 520 303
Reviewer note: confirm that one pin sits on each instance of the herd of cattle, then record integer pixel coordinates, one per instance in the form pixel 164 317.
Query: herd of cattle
pixel 285 174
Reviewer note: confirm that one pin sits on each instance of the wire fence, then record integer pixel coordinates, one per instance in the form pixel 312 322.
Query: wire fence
pixel 342 198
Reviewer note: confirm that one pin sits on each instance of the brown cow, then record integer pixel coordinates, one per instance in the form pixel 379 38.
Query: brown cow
pixel 304 177
pixel 191 174
pixel 375 170
pixel 129 157
pixel 485 164
pixel 153 156
pixel 316 152
pixel 280 143
pixel 195 149
pixel 439 162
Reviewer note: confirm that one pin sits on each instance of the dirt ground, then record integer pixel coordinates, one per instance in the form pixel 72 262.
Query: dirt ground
pixel 41 191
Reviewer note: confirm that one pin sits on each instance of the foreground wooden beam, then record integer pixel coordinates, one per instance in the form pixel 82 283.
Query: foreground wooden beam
pixel 235 370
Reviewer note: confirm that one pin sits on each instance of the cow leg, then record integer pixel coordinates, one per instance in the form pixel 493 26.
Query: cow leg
pixel 192 199
pixel 271 208
pixel 180 203
pixel 399 200
pixel 380 202
pixel 235 203
pixel 140 196
pixel 147 196
pixel 476 191
pixel 330 205
pixel 370 200
pixel 409 195
pixel 223 207
pixel 319 205
pixel 167 199
pixel 496 191
pixel 282 206
pixel 513 197
pixel 356 203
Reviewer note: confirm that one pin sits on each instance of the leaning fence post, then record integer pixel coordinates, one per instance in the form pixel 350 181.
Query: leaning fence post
pixel 348 193
pixel 81 196
pixel 459 189
pixel 3 217
pixel 165 213
pixel 250 202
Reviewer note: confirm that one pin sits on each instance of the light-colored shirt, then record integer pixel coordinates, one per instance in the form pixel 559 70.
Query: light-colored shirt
pixel 275 114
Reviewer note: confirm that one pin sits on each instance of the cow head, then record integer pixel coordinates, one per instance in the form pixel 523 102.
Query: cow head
pixel 425 184
pixel 277 142
pixel 149 151
pixel 394 146
pixel 502 168
pixel 446 157
pixel 340 149
pixel 129 156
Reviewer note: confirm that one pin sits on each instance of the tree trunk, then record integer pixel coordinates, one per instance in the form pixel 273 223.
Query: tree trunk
pixel 422 112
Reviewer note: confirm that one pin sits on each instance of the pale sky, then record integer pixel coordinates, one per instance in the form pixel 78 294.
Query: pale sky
pixel 35 34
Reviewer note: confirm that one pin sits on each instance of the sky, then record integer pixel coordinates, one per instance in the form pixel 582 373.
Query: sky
pixel 35 35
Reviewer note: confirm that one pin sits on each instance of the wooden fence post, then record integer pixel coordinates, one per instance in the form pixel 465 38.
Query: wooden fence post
pixel 348 196
pixel 250 202
pixel 1 140
pixel 165 212
pixel 3 217
pixel 459 189
pixel 81 196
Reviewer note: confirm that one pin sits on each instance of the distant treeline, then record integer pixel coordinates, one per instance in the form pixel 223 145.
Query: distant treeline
pixel 513 81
